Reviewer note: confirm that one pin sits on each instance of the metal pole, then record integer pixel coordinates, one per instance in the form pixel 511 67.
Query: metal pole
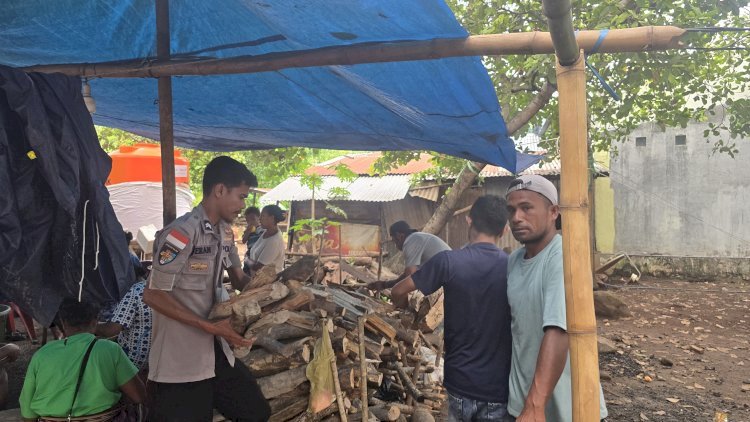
pixel 166 123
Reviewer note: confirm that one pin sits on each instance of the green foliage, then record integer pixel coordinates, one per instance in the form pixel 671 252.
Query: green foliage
pixel 112 139
pixel 670 88
pixel 270 166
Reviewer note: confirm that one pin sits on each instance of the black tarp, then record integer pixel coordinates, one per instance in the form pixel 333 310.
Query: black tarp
pixel 52 168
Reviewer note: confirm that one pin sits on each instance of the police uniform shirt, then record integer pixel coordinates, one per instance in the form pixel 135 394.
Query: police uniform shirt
pixel 190 256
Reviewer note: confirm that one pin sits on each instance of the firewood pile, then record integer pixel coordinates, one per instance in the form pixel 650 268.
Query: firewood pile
pixel 386 372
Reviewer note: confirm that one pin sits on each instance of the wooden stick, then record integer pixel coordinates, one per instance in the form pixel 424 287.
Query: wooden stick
pixel 335 373
pixel 414 377
pixel 410 387
pixel 363 367
pixel 166 121
pixel 579 296
pixel 439 354
pixel 341 272
pixel 647 38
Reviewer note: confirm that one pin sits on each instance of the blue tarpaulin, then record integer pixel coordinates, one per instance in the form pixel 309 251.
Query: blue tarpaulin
pixel 446 105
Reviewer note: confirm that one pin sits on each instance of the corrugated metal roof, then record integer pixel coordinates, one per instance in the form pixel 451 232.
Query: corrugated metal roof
pixel 551 168
pixel 366 189
pixel 362 164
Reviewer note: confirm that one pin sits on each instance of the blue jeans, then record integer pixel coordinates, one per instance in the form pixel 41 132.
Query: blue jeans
pixel 461 409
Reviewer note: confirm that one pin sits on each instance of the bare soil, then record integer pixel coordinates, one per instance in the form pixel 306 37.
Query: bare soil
pixel 683 355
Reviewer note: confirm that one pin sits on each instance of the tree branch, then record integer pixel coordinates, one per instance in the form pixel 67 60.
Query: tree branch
pixel 469 174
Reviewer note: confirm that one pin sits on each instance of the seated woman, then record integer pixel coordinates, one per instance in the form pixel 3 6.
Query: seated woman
pixel 269 248
pixel 78 376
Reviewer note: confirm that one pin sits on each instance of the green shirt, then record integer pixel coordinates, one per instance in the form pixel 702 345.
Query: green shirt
pixel 536 293
pixel 53 372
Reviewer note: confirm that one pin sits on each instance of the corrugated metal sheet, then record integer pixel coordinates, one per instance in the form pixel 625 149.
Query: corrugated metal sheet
pixel 551 168
pixel 368 189
pixel 430 193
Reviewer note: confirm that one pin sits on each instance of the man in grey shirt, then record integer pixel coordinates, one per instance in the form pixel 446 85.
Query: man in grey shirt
pixel 417 247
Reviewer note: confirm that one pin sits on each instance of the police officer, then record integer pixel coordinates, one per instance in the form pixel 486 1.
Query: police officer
pixel 191 368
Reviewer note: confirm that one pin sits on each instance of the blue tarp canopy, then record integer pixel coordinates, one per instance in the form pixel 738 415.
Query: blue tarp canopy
pixel 446 105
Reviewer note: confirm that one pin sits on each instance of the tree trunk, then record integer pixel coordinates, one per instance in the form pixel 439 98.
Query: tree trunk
pixel 468 175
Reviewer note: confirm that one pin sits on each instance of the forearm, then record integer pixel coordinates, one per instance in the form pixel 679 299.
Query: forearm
pixel 238 278
pixel 553 354
pixel 108 329
pixel 400 293
pixel 407 272
pixel 162 302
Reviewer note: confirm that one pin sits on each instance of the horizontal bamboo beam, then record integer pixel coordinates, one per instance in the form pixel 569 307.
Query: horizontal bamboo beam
pixel 648 38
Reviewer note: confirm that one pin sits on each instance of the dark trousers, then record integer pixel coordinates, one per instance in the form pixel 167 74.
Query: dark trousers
pixel 233 392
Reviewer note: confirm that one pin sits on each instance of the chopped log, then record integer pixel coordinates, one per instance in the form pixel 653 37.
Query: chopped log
pixel 303 319
pixel 351 260
pixel 300 391
pixel 276 385
pixel 347 379
pixel 378 325
pixel 326 304
pixel 263 363
pixel 361 275
pixel 406 382
pixel 415 377
pixel 374 377
pixel 244 314
pixel 310 417
pixel 268 336
pixel 431 314
pixel 287 408
pixel 301 270
pixel 404 409
pixel 299 299
pixel 386 412
pixel 263 296
pixel 409 337
pixel 262 277
pixel 422 415
pixel 275 346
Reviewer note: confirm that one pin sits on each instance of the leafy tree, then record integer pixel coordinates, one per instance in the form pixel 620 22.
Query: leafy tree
pixel 670 88
pixel 270 166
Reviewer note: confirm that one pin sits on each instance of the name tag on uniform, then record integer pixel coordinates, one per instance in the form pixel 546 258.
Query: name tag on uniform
pixel 202 250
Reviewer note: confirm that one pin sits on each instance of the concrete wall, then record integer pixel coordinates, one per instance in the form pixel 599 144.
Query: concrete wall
pixel 680 200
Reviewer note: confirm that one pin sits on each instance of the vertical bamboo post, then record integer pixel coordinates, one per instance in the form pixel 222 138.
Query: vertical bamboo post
pixel 341 271
pixel 166 123
pixel 579 296
pixel 363 367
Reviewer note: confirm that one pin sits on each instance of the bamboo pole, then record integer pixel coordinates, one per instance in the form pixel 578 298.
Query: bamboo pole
pixel 579 298
pixel 647 38
pixel 560 22
pixel 363 367
pixel 166 122
pixel 335 372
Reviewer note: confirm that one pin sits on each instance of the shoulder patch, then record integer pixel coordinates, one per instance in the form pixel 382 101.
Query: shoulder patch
pixel 167 253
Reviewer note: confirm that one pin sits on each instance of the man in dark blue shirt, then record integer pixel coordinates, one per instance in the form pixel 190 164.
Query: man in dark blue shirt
pixel 477 315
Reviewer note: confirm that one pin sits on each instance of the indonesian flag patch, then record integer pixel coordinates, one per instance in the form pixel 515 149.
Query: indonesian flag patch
pixel 175 242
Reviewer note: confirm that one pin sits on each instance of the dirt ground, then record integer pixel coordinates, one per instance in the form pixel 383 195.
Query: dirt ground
pixel 683 355
pixel 700 328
